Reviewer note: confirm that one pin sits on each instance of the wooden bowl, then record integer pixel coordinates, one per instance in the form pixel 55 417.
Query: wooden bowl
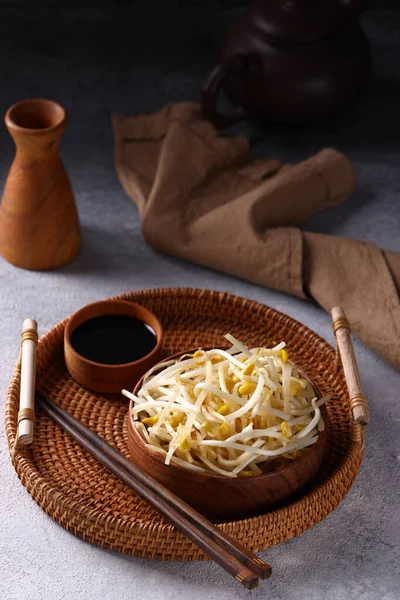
pixel 110 378
pixel 224 497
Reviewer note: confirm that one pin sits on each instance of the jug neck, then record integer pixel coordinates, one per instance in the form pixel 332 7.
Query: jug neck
pixel 33 146
pixel 36 127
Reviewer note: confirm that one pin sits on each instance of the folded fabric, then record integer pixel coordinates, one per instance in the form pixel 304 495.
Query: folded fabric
pixel 203 197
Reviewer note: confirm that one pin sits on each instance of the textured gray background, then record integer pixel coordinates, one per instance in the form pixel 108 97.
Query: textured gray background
pixel 104 58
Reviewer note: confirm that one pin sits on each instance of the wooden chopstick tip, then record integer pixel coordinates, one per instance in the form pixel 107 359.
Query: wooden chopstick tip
pixel 251 583
pixel 266 569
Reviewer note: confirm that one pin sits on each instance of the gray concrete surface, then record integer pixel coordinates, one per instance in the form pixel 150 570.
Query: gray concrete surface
pixel 109 58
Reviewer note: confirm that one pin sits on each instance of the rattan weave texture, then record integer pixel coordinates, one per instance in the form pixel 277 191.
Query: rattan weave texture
pixel 88 501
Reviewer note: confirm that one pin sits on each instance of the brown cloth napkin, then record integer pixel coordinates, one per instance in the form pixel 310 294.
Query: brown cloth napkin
pixel 204 198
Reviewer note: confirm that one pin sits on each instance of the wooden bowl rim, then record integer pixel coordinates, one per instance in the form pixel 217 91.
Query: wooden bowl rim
pixel 132 309
pixel 243 480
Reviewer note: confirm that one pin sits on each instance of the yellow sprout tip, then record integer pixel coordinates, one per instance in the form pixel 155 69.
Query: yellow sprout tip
pixel 245 474
pixel 150 420
pixel 224 429
pixel 216 359
pixel 177 417
pixel 229 383
pixel 294 387
pixel 247 388
pixel 248 370
pixel 287 432
pixel 184 446
pixel 284 356
pixel 207 426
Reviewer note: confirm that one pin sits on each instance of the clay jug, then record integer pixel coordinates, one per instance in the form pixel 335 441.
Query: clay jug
pixel 39 225
pixel 291 61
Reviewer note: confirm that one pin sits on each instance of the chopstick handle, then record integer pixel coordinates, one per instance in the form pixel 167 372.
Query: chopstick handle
pixel 218 553
pixel 26 413
pixel 342 331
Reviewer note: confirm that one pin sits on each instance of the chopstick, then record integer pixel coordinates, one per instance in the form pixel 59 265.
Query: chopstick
pixel 245 566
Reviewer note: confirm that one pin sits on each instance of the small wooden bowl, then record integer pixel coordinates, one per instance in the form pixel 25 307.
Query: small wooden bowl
pixel 224 497
pixel 110 378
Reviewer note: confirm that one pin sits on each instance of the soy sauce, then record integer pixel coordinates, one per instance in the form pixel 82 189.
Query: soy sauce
pixel 113 339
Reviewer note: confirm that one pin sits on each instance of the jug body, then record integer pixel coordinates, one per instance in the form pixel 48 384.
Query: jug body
pixel 39 225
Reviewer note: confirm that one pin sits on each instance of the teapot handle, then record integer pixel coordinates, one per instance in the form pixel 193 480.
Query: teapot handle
pixel 209 96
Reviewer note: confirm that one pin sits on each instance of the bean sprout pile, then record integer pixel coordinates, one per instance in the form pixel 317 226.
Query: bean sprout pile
pixel 237 412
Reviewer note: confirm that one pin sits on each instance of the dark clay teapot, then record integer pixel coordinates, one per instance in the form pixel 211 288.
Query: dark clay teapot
pixel 293 61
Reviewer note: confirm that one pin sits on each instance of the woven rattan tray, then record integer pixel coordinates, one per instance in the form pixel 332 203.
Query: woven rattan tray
pixel 84 498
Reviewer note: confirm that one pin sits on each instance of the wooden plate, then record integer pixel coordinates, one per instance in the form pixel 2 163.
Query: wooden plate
pixel 86 499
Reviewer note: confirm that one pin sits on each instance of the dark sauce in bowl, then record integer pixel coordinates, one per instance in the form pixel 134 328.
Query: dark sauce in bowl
pixel 113 339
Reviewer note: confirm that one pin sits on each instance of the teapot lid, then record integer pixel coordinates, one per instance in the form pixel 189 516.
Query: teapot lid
pixel 300 20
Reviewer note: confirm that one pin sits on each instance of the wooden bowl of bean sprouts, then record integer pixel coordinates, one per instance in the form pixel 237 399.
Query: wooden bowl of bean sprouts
pixel 233 432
